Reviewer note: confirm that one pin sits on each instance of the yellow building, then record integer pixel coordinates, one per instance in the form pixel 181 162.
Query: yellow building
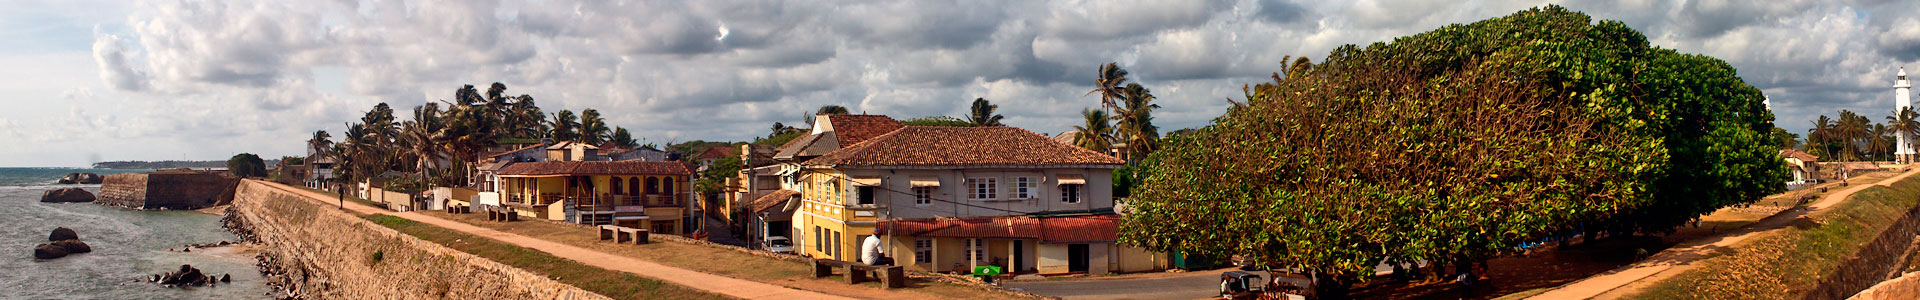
pixel 641 194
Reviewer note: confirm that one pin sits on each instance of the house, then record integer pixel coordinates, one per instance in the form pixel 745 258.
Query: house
pixel 642 194
pixel 573 151
pixel 952 198
pixel 1805 168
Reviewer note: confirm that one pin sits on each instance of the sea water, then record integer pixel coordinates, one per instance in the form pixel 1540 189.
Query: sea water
pixel 128 246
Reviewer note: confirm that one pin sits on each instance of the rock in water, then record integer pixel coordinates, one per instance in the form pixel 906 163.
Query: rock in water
pixel 74 246
pixel 62 234
pixel 187 276
pixel 226 278
pixel 66 195
pixel 88 178
pixel 49 251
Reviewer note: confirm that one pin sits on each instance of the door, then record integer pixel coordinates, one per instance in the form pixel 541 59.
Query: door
pixel 1019 257
pixel 1076 257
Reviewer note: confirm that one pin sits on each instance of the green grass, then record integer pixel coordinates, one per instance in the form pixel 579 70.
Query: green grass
pixel 1791 261
pixel 616 284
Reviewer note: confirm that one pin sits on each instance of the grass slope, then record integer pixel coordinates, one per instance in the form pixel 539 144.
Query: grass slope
pixel 619 285
pixel 1791 261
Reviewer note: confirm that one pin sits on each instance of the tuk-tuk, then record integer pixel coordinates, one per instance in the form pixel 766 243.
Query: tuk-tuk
pixel 1247 285
pixel 1241 285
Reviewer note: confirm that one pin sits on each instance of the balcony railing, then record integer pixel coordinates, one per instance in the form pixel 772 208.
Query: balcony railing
pixel 625 200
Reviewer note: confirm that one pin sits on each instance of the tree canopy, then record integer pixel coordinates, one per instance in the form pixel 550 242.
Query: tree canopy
pixel 1456 144
pixel 247 165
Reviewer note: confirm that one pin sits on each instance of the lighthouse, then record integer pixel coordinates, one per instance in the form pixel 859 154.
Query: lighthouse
pixel 1902 91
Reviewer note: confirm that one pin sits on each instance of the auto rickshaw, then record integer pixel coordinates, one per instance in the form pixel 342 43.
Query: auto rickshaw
pixel 1247 285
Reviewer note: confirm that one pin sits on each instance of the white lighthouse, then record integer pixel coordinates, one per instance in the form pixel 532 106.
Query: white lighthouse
pixel 1902 100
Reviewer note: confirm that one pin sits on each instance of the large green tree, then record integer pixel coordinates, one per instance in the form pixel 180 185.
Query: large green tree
pixel 247 165
pixel 1456 144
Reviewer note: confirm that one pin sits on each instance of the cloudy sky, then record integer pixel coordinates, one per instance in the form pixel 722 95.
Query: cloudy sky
pixel 153 80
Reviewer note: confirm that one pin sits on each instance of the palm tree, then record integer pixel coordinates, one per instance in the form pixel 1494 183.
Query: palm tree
pixel 565 128
pixel 1134 120
pixel 319 144
pixel 593 129
pixel 1905 122
pixel 527 121
pixel 1096 134
pixel 1109 84
pixel 983 113
pixel 342 162
pixel 1819 138
pixel 623 138
pixel 423 138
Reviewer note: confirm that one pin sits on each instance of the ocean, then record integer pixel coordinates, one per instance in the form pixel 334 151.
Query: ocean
pixel 128 246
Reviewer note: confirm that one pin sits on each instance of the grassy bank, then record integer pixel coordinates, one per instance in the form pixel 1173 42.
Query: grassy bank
pixel 727 262
pixel 619 285
pixel 1791 261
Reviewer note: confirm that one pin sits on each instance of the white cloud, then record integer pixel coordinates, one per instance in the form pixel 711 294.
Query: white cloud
pixel 206 79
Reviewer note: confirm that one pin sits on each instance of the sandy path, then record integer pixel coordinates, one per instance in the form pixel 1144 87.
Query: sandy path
pixel 1629 279
pixel 708 282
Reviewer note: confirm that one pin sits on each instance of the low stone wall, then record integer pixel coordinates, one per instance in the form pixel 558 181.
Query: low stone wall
pixel 1872 263
pixel 176 190
pixel 316 251
pixel 1905 287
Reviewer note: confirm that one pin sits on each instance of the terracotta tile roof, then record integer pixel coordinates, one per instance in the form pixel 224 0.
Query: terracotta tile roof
pixel 853 129
pixel 717 152
pixel 1803 156
pixel 596 168
pixel 1091 228
pixel 962 146
pixel 771 200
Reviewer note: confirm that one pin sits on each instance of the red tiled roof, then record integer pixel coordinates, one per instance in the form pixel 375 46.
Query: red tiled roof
pixel 1803 156
pixel 596 168
pixel 717 152
pixel 962 146
pixel 771 200
pixel 853 129
pixel 1092 228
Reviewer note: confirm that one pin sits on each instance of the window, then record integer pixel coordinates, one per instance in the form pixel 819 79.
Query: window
pixel 653 185
pixel 819 238
pixel 1070 193
pixel 633 186
pixel 923 195
pixel 982 188
pixel 977 249
pixel 866 195
pixel 668 186
pixel 616 185
pixel 922 251
pixel 1023 187
pixel 832 191
pixel 835 247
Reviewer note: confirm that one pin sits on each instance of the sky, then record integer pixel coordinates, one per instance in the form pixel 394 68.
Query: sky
pixel 90 80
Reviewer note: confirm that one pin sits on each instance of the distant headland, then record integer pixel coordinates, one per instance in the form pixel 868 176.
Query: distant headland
pixel 168 164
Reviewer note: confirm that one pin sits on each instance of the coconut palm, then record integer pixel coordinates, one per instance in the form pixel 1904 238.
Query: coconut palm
pixel 526 119
pixel 1109 84
pixel 593 129
pixel 319 144
pixel 1133 121
pixel 423 138
pixel 1905 122
pixel 983 113
pixel 623 138
pixel 565 127
pixel 1096 134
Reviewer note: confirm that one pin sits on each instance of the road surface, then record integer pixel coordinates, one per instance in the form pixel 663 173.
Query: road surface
pixel 1189 285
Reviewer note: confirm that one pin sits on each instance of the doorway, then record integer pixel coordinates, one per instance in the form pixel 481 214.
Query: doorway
pixel 1019 257
pixel 1076 257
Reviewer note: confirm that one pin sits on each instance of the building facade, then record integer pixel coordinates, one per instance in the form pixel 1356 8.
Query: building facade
pixel 640 194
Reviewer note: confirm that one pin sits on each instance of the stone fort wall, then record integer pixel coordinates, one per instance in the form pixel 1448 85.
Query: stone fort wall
pixel 167 190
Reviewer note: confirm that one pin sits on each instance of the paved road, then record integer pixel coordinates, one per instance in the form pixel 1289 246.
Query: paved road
pixel 694 279
pixel 1190 285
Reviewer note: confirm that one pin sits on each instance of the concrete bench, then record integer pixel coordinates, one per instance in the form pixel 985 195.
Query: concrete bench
pixel 888 276
pixel 622 235
pixel 503 215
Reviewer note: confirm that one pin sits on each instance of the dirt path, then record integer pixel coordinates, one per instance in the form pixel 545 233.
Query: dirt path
pixel 1630 279
pixel 709 282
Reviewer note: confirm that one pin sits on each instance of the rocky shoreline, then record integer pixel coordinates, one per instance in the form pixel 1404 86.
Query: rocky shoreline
pixel 276 275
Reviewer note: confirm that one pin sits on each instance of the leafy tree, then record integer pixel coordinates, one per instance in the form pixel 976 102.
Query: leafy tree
pixel 565 127
pixel 982 113
pixel 247 165
pixel 1786 139
pixel 937 121
pixel 781 139
pixel 623 138
pixel 1412 150
pixel 714 178
pixel 780 129
pixel 593 129
pixel 1096 134
pixel 832 110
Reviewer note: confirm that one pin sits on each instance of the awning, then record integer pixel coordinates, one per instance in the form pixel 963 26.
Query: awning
pixel 1069 229
pixel 1073 179
pixel 866 181
pixel 925 181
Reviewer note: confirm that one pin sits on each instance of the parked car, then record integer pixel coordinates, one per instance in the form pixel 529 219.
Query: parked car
pixel 778 244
